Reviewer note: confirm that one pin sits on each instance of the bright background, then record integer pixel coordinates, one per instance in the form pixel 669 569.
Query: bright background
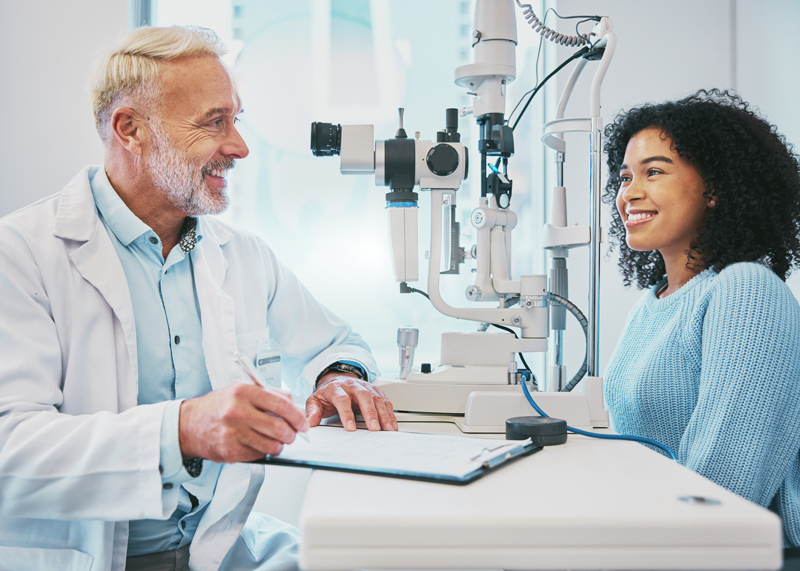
pixel 383 54
pixel 355 62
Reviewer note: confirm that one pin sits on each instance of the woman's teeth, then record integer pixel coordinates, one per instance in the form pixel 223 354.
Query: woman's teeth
pixel 642 216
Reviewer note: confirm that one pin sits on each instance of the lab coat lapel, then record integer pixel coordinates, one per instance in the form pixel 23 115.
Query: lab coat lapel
pixel 238 484
pixel 217 312
pixel 96 260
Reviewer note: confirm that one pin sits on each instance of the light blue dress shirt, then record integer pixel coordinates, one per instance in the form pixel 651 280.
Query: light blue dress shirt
pixel 170 358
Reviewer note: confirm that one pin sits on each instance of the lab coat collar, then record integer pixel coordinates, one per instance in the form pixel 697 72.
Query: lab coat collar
pixel 125 225
pixel 97 261
pixel 76 208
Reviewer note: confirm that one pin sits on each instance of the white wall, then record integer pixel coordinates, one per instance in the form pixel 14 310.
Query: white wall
pixel 47 50
pixel 667 50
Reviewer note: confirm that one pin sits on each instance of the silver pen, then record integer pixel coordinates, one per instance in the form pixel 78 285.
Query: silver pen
pixel 253 373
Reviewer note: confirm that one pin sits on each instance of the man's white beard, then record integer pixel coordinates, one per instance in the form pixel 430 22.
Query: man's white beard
pixel 181 178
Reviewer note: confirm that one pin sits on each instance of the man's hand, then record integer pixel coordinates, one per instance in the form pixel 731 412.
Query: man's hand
pixel 233 424
pixel 344 393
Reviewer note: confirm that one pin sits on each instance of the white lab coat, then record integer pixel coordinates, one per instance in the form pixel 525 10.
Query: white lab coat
pixel 78 457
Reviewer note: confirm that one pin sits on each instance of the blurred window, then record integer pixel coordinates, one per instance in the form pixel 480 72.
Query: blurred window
pixel 356 62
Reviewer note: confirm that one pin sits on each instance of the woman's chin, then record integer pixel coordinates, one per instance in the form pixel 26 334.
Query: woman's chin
pixel 639 245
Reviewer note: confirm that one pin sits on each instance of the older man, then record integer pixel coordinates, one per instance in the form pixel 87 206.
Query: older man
pixel 124 418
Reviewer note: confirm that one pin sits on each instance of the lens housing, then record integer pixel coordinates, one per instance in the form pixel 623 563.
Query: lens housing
pixel 326 139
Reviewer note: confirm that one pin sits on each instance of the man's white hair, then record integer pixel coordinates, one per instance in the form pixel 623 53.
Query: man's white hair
pixel 131 72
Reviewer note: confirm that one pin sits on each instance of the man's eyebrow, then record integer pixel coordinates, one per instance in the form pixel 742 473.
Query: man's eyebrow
pixel 217 111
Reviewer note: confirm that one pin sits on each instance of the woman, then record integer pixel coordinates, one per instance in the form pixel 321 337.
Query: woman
pixel 707 217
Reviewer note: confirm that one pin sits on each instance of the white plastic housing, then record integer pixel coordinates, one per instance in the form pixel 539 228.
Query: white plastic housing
pixel 428 180
pixel 403 242
pixel 357 149
pixel 494 56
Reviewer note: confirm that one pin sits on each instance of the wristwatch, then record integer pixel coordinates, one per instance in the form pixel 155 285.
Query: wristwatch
pixel 342 368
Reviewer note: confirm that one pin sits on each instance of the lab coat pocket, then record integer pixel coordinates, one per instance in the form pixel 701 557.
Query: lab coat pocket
pixel 246 342
pixel 39 559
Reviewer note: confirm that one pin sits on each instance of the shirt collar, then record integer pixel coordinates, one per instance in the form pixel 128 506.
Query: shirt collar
pixel 126 226
pixel 124 223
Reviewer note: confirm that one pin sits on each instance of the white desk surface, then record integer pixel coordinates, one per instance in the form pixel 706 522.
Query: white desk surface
pixel 588 504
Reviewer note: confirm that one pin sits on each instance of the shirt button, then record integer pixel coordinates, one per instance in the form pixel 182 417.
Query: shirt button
pixel 167 486
pixel 183 525
pixel 153 240
pixel 177 340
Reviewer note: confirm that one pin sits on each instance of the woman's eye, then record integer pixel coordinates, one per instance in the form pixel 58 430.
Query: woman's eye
pixel 625 178
pixel 652 172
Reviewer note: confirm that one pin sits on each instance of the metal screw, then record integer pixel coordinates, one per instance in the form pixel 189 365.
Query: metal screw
pixel 516 320
pixel 699 500
pixel 473 293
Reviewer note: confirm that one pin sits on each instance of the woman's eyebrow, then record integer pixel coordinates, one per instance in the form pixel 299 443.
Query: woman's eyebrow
pixel 654 159
pixel 623 166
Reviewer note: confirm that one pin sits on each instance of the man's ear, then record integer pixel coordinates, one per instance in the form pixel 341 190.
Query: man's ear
pixel 129 130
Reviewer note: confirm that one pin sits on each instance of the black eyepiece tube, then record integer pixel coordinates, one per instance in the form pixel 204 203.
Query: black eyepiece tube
pixel 326 139
pixel 451 119
pixel 450 133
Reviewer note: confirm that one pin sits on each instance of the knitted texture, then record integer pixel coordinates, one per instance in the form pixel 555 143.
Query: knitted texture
pixel 713 372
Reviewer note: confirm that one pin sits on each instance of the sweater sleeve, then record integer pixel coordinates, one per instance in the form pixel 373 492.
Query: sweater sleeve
pixel 745 430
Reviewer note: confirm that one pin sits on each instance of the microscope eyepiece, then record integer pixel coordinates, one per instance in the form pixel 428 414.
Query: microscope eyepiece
pixel 326 139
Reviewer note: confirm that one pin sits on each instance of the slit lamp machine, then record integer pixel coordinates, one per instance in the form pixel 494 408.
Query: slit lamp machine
pixel 476 384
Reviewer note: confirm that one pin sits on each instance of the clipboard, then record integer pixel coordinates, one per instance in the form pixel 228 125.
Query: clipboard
pixel 406 455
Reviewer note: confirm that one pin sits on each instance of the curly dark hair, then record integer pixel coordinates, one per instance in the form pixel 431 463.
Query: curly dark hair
pixel 747 166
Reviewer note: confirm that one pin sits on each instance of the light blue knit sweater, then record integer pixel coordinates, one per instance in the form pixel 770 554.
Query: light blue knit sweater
pixel 713 372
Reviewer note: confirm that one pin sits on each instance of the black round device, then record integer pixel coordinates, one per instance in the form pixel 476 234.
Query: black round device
pixel 541 430
pixel 442 159
pixel 326 139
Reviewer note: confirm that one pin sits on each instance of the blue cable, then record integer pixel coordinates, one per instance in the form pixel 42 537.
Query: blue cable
pixel 596 435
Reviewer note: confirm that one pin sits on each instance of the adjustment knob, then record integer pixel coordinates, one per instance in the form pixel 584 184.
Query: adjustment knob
pixel 442 159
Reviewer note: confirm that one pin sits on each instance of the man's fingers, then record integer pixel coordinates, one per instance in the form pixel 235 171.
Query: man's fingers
pixel 273 427
pixel 339 398
pixel 314 411
pixel 366 405
pixel 257 446
pixel 388 406
pixel 392 415
pixel 281 406
pixel 387 421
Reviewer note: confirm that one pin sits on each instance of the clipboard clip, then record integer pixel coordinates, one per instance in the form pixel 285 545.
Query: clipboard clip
pixel 485 451
pixel 490 463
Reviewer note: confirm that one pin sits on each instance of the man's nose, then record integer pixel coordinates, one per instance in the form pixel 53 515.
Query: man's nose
pixel 235 147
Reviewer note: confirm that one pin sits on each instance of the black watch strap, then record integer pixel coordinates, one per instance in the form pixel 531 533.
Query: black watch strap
pixel 342 368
